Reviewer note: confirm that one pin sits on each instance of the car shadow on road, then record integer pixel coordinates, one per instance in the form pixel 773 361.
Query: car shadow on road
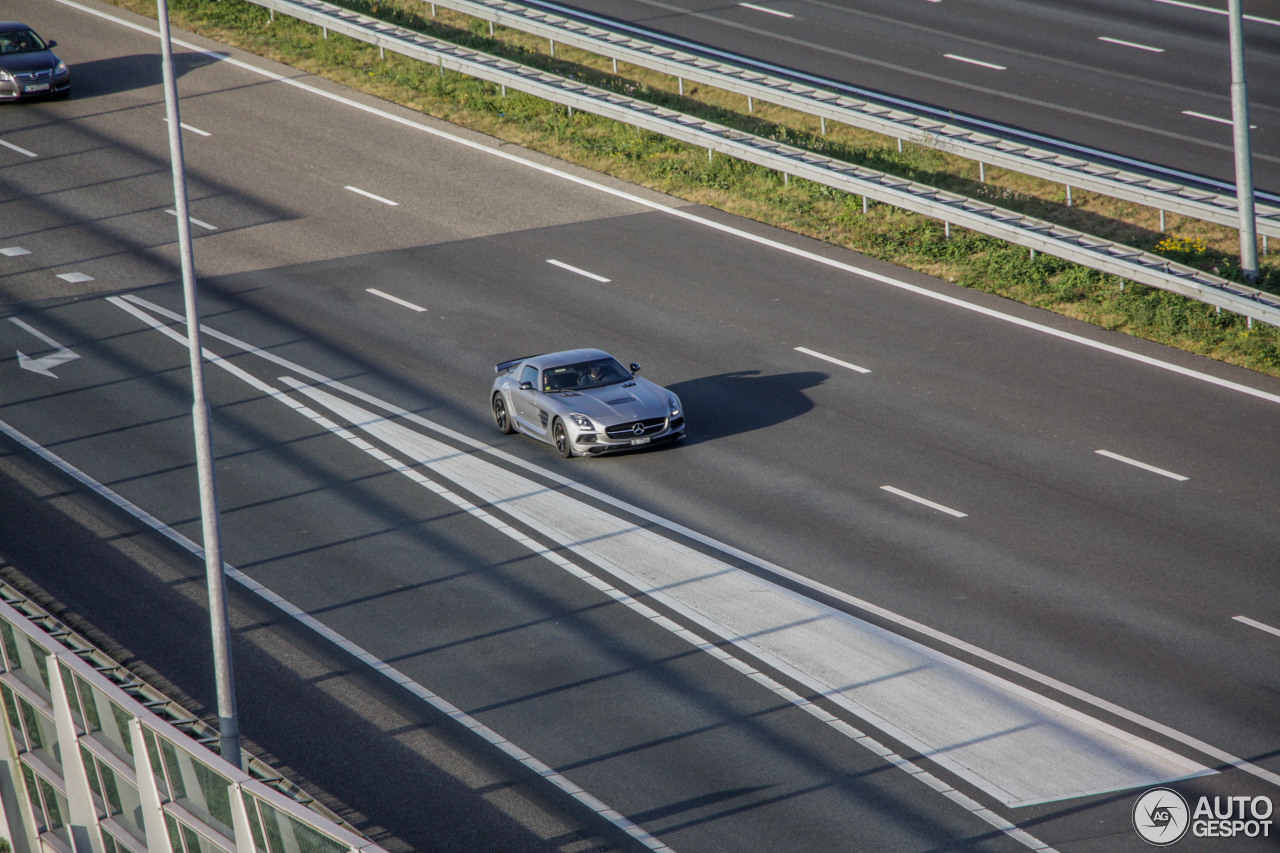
pixel 743 401
pixel 126 73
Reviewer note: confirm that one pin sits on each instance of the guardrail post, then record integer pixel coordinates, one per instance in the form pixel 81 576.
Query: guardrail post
pixel 680 84
pixel 1162 222
pixel 552 42
pixel 946 230
pixel 325 30
pixel 751 106
pixel 615 65
pixel 982 172
pixel 1068 186
pixel 491 29
pixel 822 122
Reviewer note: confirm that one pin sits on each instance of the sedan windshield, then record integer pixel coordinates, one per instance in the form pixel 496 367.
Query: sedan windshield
pixel 584 375
pixel 20 41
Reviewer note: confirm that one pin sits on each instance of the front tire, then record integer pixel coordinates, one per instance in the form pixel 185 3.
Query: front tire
pixel 501 417
pixel 561 438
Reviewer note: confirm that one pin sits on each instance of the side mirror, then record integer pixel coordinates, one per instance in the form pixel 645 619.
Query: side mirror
pixel 635 368
pixel 526 386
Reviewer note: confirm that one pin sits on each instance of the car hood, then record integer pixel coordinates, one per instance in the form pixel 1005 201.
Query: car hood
pixel 36 60
pixel 632 400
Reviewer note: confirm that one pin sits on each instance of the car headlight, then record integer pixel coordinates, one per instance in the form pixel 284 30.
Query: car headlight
pixel 673 406
pixel 582 421
pixel 6 76
pixel 60 68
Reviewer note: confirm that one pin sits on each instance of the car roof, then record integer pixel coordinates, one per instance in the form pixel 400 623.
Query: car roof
pixel 570 356
pixel 12 27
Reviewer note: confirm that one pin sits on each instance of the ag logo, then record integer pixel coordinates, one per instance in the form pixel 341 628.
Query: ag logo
pixel 1161 816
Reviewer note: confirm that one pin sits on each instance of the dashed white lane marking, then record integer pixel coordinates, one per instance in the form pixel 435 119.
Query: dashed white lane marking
pixel 386 201
pixel 767 11
pixel 197 131
pixel 1132 44
pixel 990 65
pixel 836 361
pixel 193 221
pixel 939 507
pixel 1218 119
pixel 396 299
pixel 13 147
pixel 14 251
pixel 75 277
pixel 562 265
pixel 1143 465
pixel 1261 626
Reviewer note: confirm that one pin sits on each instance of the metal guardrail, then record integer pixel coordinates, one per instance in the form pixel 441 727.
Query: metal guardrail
pixel 1037 235
pixel 867 114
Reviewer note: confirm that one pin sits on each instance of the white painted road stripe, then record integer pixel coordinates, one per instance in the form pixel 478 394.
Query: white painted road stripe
pixel 1131 44
pixel 939 507
pixel 1144 466
pixel 13 147
pixel 374 197
pixel 1256 624
pixel 395 299
pixel 194 130
pixel 562 265
pixel 837 361
pixel 768 11
pixel 975 62
pixel 1181 3
pixel 1219 120
pixel 75 277
pixel 193 221
pixel 14 251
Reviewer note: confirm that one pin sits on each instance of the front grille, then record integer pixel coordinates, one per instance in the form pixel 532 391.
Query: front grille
pixel 628 430
pixel 27 77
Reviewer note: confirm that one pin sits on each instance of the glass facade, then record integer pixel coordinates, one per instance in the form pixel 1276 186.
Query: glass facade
pixel 183 798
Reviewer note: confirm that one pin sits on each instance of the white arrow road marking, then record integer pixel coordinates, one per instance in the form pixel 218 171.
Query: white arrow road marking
pixel 45 364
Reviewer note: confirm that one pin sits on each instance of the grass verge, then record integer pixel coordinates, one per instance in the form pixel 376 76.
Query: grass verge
pixel 909 240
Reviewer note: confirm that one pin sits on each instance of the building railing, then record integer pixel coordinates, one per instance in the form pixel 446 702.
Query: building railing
pixel 96 761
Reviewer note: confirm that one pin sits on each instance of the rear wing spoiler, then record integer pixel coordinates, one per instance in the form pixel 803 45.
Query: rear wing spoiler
pixel 506 366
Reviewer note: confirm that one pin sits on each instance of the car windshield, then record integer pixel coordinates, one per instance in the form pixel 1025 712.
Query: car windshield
pixel 587 374
pixel 20 41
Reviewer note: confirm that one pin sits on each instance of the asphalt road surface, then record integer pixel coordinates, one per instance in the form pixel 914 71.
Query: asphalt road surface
pixel 1145 80
pixel 932 571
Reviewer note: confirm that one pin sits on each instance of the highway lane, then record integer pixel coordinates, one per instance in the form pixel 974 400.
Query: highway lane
pixel 1143 79
pixel 946 415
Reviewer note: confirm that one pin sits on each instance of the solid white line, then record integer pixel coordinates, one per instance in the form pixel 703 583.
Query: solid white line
pixel 975 62
pixel 13 147
pixel 928 503
pixel 768 11
pixel 359 191
pixel 589 275
pixel 1197 8
pixel 1124 43
pixel 1256 624
pixel 807 351
pixel 1144 466
pixel 1219 120
pixel 774 569
pixel 193 220
pixel 395 299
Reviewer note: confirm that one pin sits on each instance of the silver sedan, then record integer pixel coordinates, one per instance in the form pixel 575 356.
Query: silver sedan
pixel 584 402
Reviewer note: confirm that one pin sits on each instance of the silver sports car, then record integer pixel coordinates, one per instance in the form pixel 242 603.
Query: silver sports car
pixel 584 402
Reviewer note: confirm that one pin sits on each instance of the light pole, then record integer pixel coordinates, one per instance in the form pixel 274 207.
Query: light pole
pixel 1244 157
pixel 228 724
